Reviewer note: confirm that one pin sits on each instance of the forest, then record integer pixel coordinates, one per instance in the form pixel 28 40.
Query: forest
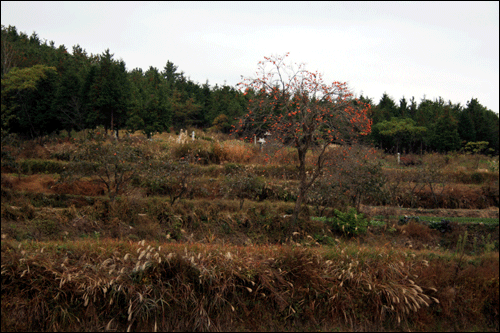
pixel 47 89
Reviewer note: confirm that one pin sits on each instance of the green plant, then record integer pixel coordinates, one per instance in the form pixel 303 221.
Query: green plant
pixel 233 167
pixel 377 223
pixel 32 166
pixel 489 245
pixel 46 226
pixel 460 251
pixel 492 165
pixel 349 223
pixel 474 149
pixel 486 244
pixel 477 177
pixel 96 235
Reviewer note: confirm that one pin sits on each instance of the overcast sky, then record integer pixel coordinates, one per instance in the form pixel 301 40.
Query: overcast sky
pixel 447 49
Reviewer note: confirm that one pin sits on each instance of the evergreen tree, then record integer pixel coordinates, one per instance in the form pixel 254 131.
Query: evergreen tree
pixel 403 108
pixel 445 133
pixel 485 123
pixel 398 134
pixel 171 75
pixel 26 100
pixel 385 109
pixel 69 102
pixel 149 111
pixel 109 93
pixel 466 128
pixel 412 109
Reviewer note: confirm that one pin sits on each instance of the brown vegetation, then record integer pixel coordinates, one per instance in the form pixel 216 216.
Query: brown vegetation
pixel 74 259
pixel 143 286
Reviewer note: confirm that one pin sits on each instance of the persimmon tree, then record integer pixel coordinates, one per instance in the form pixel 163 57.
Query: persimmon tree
pixel 300 110
pixel 113 163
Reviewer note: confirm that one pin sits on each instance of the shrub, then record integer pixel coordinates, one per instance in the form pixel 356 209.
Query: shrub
pixel 349 223
pixel 327 194
pixel 199 152
pixel 238 152
pixel 31 166
pixel 233 167
pixel 352 175
pixel 175 179
pixel 115 163
pixel 242 184
pixel 408 160
pixel 477 178
pixel 222 123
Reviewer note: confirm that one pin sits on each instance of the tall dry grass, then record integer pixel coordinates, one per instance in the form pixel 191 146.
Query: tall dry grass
pixel 114 285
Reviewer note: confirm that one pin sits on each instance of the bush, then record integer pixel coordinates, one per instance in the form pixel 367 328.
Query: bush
pixel 236 151
pixel 242 185
pixel 233 167
pixel 114 163
pixel 175 179
pixel 349 223
pixel 199 152
pixel 352 175
pixel 31 166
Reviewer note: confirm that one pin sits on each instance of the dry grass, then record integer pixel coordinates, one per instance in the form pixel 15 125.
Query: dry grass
pixel 33 183
pixel 236 151
pixel 40 183
pixel 139 263
pixel 115 285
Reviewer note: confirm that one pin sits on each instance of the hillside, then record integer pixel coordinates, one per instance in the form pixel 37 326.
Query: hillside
pixel 148 241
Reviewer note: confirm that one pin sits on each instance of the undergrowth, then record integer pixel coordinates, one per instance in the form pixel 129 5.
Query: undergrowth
pixel 116 285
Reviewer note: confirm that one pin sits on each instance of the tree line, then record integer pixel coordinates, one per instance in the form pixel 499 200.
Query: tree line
pixel 46 89
pixel 432 125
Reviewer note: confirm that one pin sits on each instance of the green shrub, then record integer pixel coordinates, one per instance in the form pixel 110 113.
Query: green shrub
pixel 233 167
pixel 175 179
pixel 492 165
pixel 31 166
pixel 46 227
pixel 349 223
pixel 477 178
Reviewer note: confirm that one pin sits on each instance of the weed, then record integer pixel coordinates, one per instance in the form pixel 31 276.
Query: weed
pixel 46 227
pixel 349 223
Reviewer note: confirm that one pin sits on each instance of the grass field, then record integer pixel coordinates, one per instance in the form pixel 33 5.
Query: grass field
pixel 209 245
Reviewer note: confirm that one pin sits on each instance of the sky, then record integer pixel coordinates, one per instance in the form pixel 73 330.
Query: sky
pixel 420 49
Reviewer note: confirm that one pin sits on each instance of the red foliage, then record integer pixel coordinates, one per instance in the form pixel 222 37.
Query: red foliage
pixel 298 109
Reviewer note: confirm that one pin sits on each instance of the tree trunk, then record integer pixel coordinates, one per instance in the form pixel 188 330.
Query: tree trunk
pixel 111 122
pixel 298 205
pixel 305 184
